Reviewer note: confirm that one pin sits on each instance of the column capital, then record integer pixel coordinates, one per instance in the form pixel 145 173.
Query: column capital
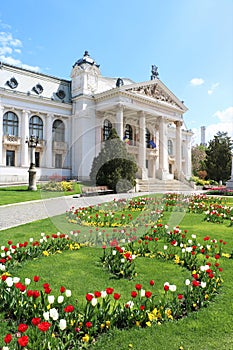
pixel 26 111
pixel 120 107
pixel 178 123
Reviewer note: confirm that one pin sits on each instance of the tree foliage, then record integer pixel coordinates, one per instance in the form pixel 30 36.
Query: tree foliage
pixel 198 159
pixel 114 166
pixel 218 157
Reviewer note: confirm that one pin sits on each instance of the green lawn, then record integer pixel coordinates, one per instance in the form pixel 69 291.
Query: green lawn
pixel 208 329
pixel 16 194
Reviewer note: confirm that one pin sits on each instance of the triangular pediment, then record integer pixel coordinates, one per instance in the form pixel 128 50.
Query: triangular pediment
pixel 157 91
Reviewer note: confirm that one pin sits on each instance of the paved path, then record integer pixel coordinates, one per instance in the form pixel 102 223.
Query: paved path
pixel 12 215
pixel 22 213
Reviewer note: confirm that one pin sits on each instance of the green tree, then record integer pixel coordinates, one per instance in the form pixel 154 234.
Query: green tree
pixel 198 159
pixel 218 157
pixel 114 166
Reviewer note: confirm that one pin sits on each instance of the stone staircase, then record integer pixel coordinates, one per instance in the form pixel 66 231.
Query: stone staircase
pixel 156 185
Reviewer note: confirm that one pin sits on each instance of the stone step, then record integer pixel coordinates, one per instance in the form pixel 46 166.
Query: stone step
pixel 156 185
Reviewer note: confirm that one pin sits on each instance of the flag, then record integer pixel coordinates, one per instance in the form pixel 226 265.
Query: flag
pixel 126 140
pixel 153 145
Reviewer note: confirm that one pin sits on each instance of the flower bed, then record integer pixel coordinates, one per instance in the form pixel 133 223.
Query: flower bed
pixel 46 319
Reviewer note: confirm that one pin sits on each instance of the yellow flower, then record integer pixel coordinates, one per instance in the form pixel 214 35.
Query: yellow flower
pixel 148 324
pixel 130 345
pixel 151 316
pixel 177 259
pixel 72 322
pixel 53 335
pixel 226 255
pixel 107 324
pixel 71 247
pixel 45 253
pixel 102 326
pixel 169 314
pixel 206 296
pixel 35 306
pixel 49 307
pixel 86 338
pixel 137 323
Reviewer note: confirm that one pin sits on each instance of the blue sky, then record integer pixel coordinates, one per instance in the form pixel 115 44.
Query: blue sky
pixel 191 42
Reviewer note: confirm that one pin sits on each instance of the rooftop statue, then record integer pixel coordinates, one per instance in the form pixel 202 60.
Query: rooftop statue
pixel 154 72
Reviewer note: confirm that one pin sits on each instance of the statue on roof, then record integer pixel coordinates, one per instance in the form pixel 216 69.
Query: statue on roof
pixel 154 72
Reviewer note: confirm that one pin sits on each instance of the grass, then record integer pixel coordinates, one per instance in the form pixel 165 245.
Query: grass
pixel 16 194
pixel 210 328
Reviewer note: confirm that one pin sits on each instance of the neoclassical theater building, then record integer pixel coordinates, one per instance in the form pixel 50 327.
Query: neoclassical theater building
pixel 72 119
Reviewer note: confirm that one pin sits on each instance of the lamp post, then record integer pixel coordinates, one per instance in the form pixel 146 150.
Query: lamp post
pixel 32 143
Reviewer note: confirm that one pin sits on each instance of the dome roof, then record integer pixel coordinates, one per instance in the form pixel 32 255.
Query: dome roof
pixel 86 59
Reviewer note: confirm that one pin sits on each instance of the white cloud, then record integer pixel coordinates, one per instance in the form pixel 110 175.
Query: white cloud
pixel 14 62
pixel 33 68
pixel 223 124
pixel 213 87
pixel 5 50
pixel 225 115
pixel 10 45
pixel 10 60
pixel 6 39
pixel 197 81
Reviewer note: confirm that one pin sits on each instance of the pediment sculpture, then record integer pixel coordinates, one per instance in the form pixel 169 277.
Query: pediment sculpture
pixel 156 92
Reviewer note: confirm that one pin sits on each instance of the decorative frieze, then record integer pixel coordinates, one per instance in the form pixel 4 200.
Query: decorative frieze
pixel 156 92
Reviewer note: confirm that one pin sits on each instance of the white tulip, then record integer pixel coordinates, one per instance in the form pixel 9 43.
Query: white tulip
pixel 54 314
pixel 46 315
pixel 51 299
pixel 60 299
pixel 93 301
pixel 62 324
pixel 27 281
pixel 68 293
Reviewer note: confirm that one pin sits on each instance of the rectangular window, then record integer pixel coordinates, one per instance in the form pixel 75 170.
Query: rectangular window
pixel 58 160
pixel 37 159
pixel 10 158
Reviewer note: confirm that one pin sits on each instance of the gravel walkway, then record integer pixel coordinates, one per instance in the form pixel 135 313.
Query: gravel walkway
pixel 12 215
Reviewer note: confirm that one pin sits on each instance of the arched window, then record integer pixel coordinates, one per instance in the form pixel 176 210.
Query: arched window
pixel 10 124
pixel 128 137
pixel 148 138
pixel 36 127
pixel 58 131
pixel 170 147
pixel 106 129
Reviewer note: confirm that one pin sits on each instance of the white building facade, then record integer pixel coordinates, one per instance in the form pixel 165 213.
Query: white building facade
pixel 72 119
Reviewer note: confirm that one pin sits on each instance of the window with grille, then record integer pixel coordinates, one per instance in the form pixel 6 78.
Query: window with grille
pixel 58 131
pixel 10 124
pixel 36 127
pixel 106 129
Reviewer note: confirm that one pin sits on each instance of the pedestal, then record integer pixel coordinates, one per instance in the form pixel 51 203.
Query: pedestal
pixel 229 184
pixel 32 179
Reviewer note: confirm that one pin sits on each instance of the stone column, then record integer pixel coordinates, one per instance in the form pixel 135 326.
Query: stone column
pixel 229 184
pixel 163 154
pixel 178 171
pixel 24 136
pixel 157 146
pixel 142 144
pixel 49 142
pixel 1 133
pixel 119 121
